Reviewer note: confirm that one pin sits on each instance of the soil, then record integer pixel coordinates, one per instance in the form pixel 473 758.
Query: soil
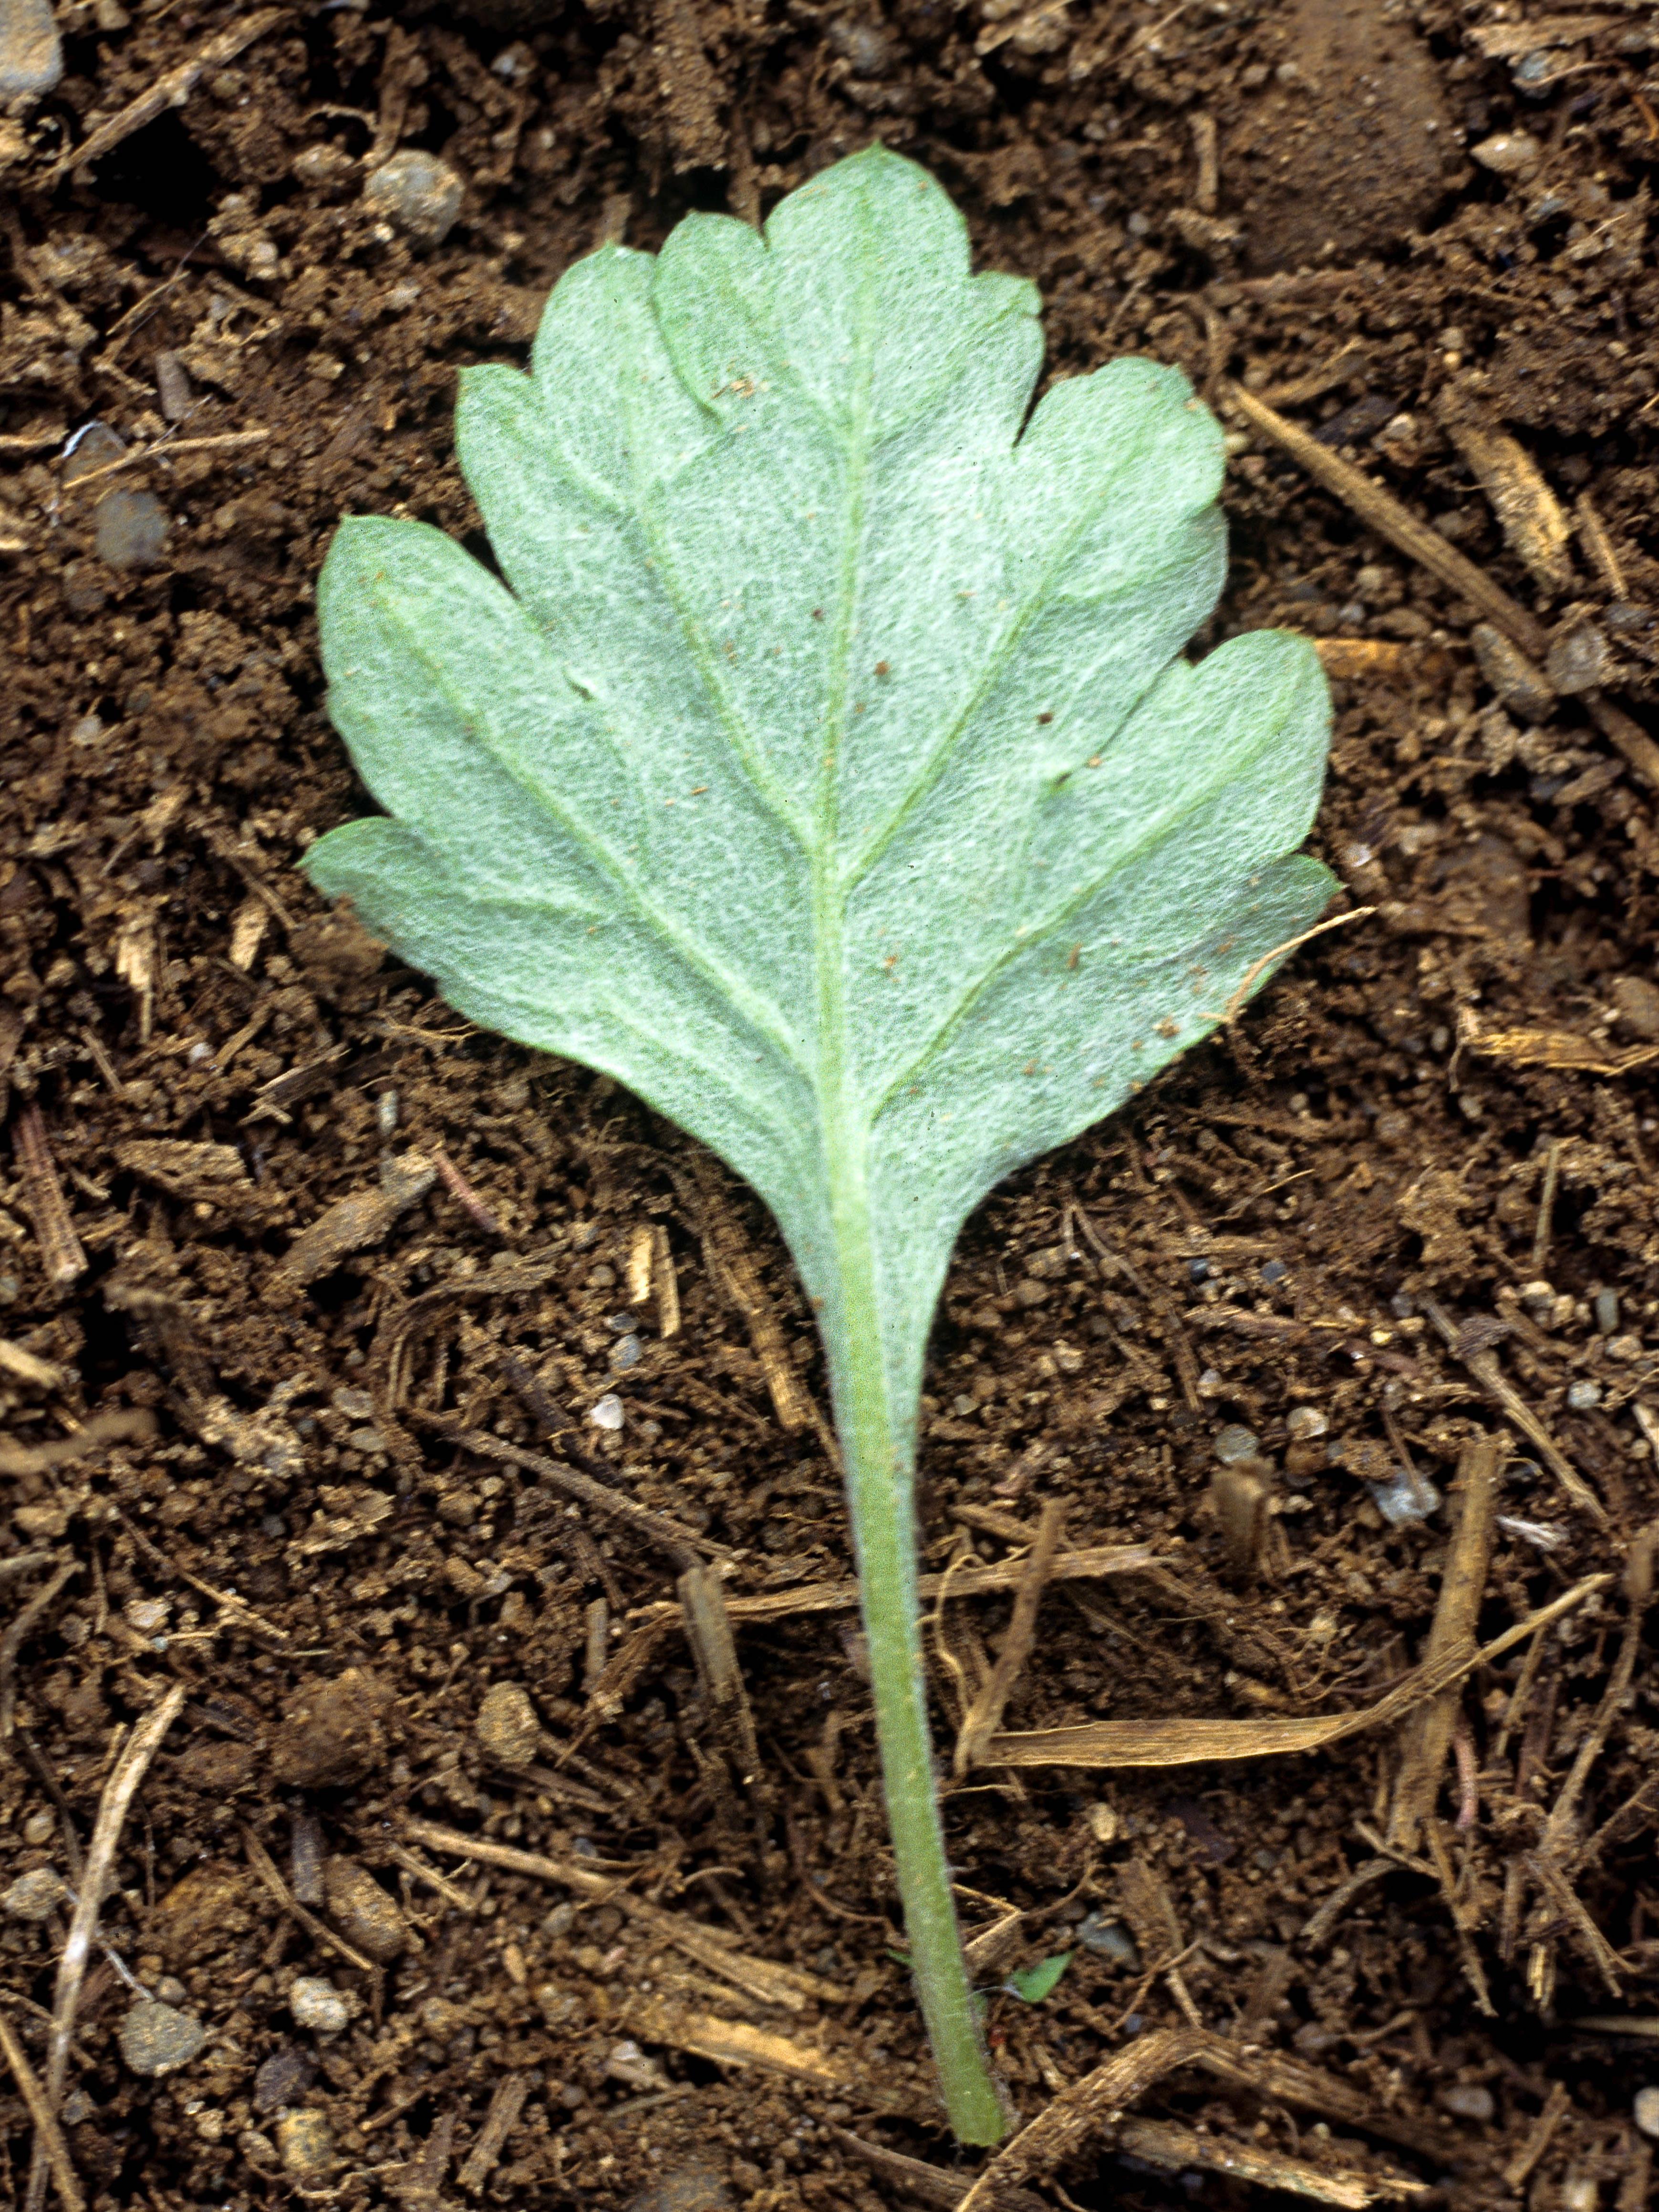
pixel 226 1400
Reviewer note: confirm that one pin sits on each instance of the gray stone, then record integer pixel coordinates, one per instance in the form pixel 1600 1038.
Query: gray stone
pixel 1303 1423
pixel 34 1895
pixel 316 2004
pixel 96 447
pixel 1522 686
pixel 1646 2111
pixel 1508 153
pixel 417 193
pixel 1469 2100
pixel 1577 660
pixel 507 1729
pixel 1637 1002
pixel 285 2074
pixel 1233 1443
pixel 30 52
pixel 1109 1939
pixel 129 529
pixel 694 2186
pixel 159 2038
pixel 1400 1500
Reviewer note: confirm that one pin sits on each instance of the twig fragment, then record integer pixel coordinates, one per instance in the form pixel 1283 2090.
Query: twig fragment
pixel 60 1251
pixel 117 1424
pixel 1429 1732
pixel 18 1634
pixel 984 1715
pixel 265 1867
pixel 1483 1366
pixel 1402 528
pixel 1541 1234
pixel 499 2124
pixel 46 2129
pixel 1197 1742
pixel 1538 2139
pixel 683 1545
pixel 172 90
pixel 127 1773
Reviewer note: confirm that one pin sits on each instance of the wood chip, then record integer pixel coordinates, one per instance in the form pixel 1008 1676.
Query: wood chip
pixel 349 1225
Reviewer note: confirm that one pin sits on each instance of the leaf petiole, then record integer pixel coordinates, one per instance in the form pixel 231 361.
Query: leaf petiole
pixel 878 1446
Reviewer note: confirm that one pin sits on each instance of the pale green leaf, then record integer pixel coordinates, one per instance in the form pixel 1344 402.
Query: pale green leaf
pixel 824 771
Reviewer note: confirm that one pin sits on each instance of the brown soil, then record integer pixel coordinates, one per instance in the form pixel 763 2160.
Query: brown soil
pixel 215 1064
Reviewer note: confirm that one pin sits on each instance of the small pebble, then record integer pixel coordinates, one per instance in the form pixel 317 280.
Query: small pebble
pixel 1109 1939
pixel 507 1729
pixel 1233 1443
pixel 1305 1423
pixel 284 2076
pixel 692 2185
pixel 355 1405
pixel 1578 662
pixel 365 1914
pixel 158 2039
pixel 1198 1269
pixel 173 388
pixel 1522 687
pixel 1469 2100
pixel 1273 1271
pixel 316 2004
pixel 419 193
pixel 305 2143
pixel 30 52
pixel 39 1828
pixel 129 530
pixel 1581 1396
pixel 1606 1311
pixel 1623 615
pixel 608 1413
pixel 1508 153
pixel 34 1895
pixel 1637 1004
pixel 627 1352
pixel 1646 2111
pixel 1402 1500
pixel 148 1615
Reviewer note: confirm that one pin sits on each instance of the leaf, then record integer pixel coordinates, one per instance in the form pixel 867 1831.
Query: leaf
pixel 821 769
pixel 821 765
pixel 1033 1984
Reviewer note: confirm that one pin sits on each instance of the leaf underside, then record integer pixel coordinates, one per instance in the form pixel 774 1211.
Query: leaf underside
pixel 824 769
